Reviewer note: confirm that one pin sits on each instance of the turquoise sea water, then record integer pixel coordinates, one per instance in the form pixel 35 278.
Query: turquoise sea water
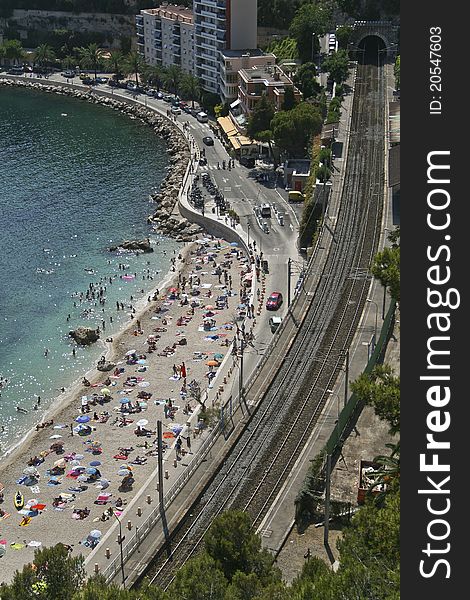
pixel 74 179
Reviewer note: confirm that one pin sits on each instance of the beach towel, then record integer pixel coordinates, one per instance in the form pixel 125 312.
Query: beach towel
pixel 17 545
pixel 25 521
pixel 5 516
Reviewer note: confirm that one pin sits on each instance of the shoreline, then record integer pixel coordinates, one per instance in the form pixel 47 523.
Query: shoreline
pixel 64 400
pixel 179 163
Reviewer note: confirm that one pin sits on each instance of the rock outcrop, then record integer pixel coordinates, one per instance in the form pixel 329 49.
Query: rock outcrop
pixel 84 336
pixel 136 245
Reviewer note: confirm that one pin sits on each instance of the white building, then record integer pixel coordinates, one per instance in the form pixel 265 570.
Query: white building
pixel 221 25
pixel 165 36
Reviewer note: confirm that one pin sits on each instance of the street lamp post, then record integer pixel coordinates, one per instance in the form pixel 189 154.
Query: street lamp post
pixel 376 317
pixel 120 546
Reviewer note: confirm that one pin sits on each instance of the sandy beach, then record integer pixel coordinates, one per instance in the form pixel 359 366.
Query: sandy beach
pixel 170 348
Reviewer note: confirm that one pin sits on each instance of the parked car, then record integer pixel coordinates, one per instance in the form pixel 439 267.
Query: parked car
pixel 102 79
pixel 176 110
pixel 159 95
pixel 208 141
pixel 187 109
pixel 132 87
pixel 69 74
pixel 274 301
pixel 248 161
pixel 15 71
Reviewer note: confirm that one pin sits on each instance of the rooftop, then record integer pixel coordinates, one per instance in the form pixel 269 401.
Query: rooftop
pixel 174 12
pixel 242 53
pixel 270 75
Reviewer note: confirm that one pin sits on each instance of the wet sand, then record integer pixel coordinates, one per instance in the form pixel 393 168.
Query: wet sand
pixel 169 322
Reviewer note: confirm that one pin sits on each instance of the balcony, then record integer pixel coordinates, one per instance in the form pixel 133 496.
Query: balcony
pixel 211 47
pixel 139 20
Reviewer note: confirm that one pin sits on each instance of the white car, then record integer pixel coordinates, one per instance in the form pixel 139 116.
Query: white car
pixel 176 110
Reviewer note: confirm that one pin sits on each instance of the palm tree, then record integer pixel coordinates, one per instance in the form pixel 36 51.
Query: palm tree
pixel 191 87
pixel 44 55
pixel 69 62
pixel 90 57
pixel 116 64
pixel 154 75
pixel 134 63
pixel 173 78
pixel 388 473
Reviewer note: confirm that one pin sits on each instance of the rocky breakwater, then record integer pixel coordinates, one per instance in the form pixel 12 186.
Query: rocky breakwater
pixel 84 336
pixel 166 217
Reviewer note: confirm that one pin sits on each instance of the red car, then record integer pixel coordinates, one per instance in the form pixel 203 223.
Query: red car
pixel 274 301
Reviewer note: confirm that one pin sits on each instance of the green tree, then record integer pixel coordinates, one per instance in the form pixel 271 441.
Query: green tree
pixel 90 57
pixel 289 99
pixel 199 579
pixel 293 129
pixel 69 62
pixel 285 49
pixel 337 65
pixel 381 390
pixel 191 88
pixel 154 75
pixel 173 79
pixel 44 55
pixel 344 35
pixel 243 587
pixel 306 80
pixel 261 117
pixel 310 22
pixel 134 64
pixel 13 51
pixel 231 542
pixel 115 64
pixel 386 267
pixel 396 71
pixel 55 575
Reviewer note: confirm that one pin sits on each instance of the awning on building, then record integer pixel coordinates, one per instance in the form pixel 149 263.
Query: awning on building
pixel 238 141
pixel 227 126
pixel 235 104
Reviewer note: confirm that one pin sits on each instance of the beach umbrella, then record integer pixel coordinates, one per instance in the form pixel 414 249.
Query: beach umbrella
pixel 142 423
pixel 95 533
pixel 143 384
pixel 30 471
pixel 173 289
pixel 209 307
pixel 60 463
pixel 75 462
pixel 124 400
pixel 82 478
pixel 106 391
pixel 218 356
pixel 90 471
pixel 103 484
pixel 141 361
pixel 176 428
pixel 79 456
pixel 233 243
pixel 34 544
pixel 123 472
pixel 130 352
pixel 212 363
pixel 95 463
pixel 55 437
pixel 82 419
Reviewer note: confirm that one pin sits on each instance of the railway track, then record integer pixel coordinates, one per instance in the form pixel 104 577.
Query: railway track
pixel 264 453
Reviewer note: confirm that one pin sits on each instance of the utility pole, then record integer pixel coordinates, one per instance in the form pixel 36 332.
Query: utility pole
pixel 240 381
pixel 346 378
pixel 326 529
pixel 160 463
pixel 288 281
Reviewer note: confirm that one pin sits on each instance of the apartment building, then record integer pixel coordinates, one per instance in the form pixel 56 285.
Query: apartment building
pixel 231 61
pixel 221 25
pixel 165 36
pixel 269 80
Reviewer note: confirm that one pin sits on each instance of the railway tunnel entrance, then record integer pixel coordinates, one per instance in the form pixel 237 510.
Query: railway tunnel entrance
pixel 371 50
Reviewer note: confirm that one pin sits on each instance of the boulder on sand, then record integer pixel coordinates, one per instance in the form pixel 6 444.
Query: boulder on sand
pixel 84 336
